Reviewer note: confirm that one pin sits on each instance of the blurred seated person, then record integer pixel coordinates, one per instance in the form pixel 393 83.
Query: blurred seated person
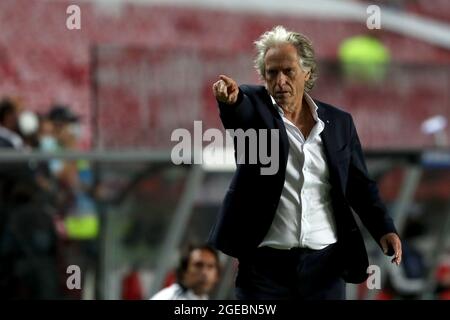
pixel 197 275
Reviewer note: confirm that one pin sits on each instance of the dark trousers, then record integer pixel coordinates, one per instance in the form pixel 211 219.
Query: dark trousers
pixel 296 274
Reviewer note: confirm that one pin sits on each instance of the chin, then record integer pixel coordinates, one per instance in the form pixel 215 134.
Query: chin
pixel 281 102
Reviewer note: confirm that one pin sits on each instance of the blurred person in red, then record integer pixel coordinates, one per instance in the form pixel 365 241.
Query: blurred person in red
pixel 442 290
pixel 131 285
pixel 197 275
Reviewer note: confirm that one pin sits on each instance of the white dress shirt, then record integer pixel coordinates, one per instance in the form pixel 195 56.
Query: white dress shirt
pixel 177 292
pixel 304 216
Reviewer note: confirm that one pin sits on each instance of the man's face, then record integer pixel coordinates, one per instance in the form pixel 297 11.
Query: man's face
pixel 285 79
pixel 202 272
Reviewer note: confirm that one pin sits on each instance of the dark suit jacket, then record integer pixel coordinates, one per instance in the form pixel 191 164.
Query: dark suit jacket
pixel 252 199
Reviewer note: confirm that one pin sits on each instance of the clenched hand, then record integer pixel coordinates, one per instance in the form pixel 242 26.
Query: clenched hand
pixel 226 90
pixel 391 240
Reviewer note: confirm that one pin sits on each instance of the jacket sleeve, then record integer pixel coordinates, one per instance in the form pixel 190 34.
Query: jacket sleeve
pixel 239 114
pixel 363 195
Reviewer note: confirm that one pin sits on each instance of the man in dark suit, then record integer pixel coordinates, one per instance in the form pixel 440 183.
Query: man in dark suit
pixel 293 232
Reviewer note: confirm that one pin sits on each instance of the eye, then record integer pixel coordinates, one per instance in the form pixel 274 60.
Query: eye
pixel 289 72
pixel 271 73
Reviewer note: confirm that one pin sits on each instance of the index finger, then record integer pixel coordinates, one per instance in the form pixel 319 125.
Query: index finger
pixel 228 81
pixel 398 246
pixel 398 251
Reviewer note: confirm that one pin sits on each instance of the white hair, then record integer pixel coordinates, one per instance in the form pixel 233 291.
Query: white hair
pixel 279 35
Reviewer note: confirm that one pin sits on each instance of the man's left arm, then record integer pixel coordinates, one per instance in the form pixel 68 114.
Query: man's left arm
pixel 363 195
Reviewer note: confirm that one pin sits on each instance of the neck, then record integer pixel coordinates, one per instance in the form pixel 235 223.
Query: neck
pixel 299 113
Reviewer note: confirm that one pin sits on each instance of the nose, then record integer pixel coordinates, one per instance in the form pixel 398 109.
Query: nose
pixel 281 79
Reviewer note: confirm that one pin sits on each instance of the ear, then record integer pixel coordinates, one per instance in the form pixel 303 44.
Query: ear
pixel 308 75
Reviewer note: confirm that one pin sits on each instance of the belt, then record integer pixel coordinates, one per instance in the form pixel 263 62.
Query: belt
pixel 293 251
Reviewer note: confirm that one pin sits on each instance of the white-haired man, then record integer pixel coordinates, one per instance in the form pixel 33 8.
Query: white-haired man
pixel 293 232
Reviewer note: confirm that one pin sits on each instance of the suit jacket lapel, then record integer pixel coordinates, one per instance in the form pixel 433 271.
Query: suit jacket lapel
pixel 329 137
pixel 326 135
pixel 269 114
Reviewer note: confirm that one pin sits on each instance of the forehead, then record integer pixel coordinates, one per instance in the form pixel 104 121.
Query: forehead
pixel 202 255
pixel 281 55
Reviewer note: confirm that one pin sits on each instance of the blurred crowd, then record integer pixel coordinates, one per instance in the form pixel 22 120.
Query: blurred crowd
pixel 48 217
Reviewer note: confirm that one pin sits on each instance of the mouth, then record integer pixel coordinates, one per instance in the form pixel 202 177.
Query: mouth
pixel 281 93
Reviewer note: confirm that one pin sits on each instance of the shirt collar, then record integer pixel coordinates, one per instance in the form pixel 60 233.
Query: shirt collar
pixel 312 105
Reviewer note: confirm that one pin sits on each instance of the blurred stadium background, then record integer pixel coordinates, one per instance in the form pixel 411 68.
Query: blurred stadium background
pixel 138 69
